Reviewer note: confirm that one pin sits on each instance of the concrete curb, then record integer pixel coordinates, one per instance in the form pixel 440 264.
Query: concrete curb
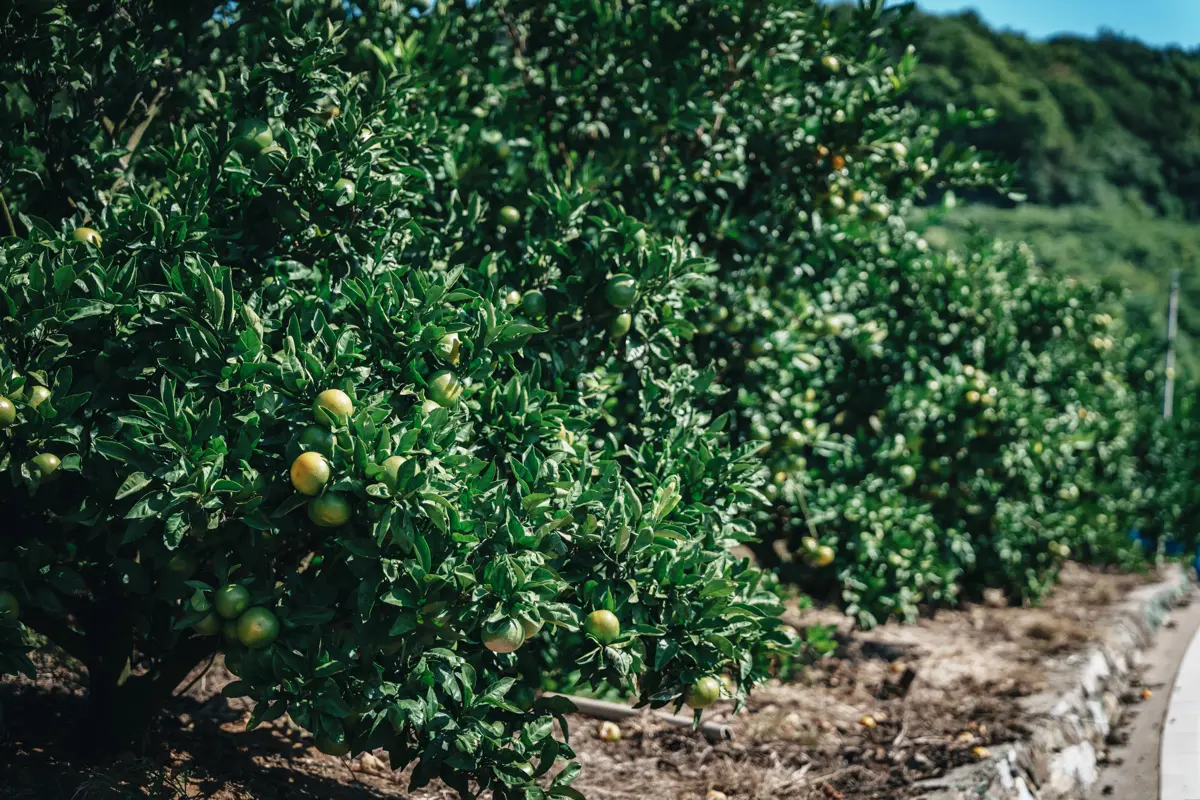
pixel 1179 760
pixel 1059 759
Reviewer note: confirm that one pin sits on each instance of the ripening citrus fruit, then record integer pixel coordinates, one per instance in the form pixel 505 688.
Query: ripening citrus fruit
pixel 703 693
pixel 824 556
pixel 252 136
pixel 8 412
pixel 329 510
pixel 533 303
pixel 603 626
pixel 333 406
pixel 444 388
pixel 504 636
pixel 47 465
pixel 10 608
pixel 38 395
pixel 620 325
pixel 510 216
pixel 621 290
pixel 391 471
pixel 257 628
pixel 973 397
pixel 795 438
pixel 231 600
pixel 907 474
pixel 331 748
pixel 728 685
pixel 209 625
pixel 317 439
pixel 448 348
pixel 87 236
pixel 831 63
pixel 310 472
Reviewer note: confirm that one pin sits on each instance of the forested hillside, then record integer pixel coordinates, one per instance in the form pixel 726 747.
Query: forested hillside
pixel 1105 133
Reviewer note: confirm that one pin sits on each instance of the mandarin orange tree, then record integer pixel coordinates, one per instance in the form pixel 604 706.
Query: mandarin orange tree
pixel 930 422
pixel 279 382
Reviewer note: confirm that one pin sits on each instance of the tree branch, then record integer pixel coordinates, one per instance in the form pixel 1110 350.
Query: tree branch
pixel 12 229
pixel 59 632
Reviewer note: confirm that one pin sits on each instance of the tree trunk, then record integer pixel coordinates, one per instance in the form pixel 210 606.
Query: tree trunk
pixel 120 712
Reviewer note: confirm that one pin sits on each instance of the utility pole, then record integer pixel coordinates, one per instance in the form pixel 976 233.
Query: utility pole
pixel 1172 328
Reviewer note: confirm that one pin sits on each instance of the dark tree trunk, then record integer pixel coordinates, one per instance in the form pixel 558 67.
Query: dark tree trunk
pixel 121 706
pixel 119 714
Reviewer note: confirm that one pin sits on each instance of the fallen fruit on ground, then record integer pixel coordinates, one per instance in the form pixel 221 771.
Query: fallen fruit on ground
pixel 609 732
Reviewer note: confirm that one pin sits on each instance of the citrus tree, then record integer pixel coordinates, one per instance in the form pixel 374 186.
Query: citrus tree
pixel 896 394
pixel 278 382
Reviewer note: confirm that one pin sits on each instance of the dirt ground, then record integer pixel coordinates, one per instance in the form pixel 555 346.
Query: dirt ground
pixel 846 729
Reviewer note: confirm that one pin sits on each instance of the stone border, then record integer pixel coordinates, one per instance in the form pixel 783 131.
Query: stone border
pixel 1072 722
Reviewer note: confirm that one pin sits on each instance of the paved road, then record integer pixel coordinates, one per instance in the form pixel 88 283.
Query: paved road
pixel 1133 768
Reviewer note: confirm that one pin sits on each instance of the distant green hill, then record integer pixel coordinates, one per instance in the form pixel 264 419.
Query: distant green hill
pixel 1105 134
pixel 1104 121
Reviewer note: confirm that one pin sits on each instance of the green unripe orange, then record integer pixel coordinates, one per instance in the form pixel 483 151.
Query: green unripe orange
pixel 444 388
pixel 330 510
pixel 8 412
pixel 10 607
pixel 38 395
pixel 703 693
pixel 603 626
pixel 448 348
pixel 333 406
pixel 621 290
pixel 47 465
pixel 509 216
pixel 258 628
pixel 252 136
pixel 231 600
pixel 533 303
pixel 391 471
pixel 505 636
pixel 344 187
pixel 209 625
pixel 331 748
pixel 87 236
pixel 317 439
pixel 620 325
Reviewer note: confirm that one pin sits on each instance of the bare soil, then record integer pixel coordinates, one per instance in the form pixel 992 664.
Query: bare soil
pixel 846 729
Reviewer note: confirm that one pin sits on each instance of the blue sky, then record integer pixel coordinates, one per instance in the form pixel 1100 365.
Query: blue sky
pixel 1159 22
